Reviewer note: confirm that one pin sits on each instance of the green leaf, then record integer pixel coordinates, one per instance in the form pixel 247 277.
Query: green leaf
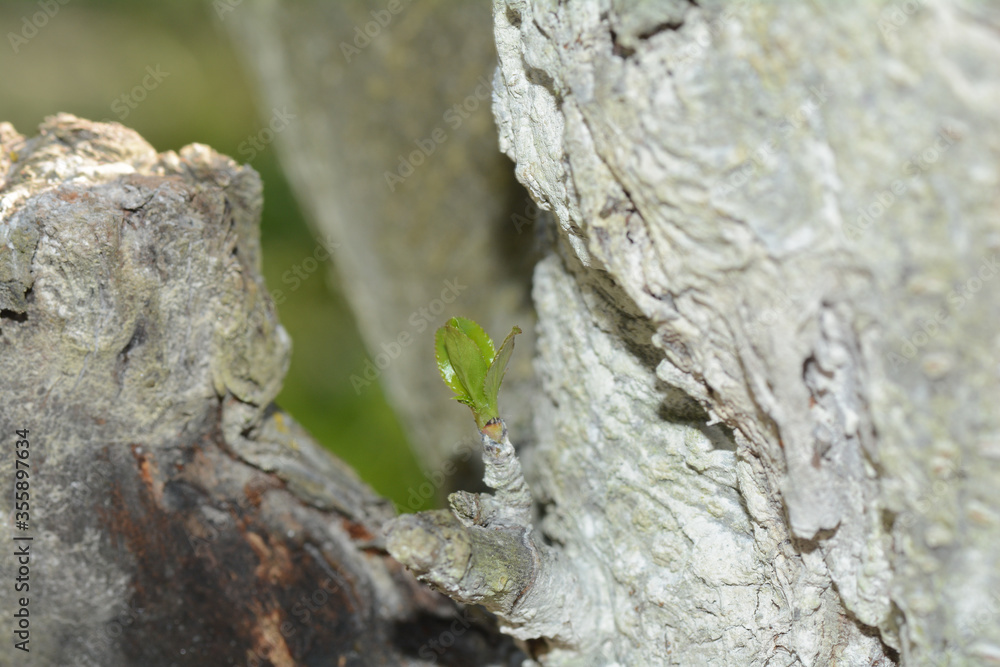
pixel 477 334
pixel 470 366
pixel 444 365
pixel 496 372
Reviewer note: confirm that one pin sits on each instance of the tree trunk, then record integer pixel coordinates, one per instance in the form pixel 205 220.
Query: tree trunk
pixel 393 155
pixel 766 429
pixel 810 236
pixel 168 512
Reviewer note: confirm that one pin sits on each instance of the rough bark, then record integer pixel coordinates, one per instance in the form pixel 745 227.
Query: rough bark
pixel 767 424
pixel 177 516
pixel 767 206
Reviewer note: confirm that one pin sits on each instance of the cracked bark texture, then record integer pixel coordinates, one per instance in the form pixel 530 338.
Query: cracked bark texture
pixel 710 166
pixel 766 426
pixel 178 516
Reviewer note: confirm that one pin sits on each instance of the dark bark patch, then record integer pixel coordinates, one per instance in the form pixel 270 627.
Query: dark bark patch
pixel 216 583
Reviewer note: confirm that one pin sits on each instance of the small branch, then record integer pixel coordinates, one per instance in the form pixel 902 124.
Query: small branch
pixel 484 551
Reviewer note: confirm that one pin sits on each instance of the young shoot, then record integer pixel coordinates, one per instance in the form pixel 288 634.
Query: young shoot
pixel 473 368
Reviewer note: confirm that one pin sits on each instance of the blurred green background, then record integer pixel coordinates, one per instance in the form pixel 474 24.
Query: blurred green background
pixel 89 53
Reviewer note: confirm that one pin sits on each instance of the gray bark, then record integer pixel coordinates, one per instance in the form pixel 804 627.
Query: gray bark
pixel 176 515
pixel 414 99
pixel 766 426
